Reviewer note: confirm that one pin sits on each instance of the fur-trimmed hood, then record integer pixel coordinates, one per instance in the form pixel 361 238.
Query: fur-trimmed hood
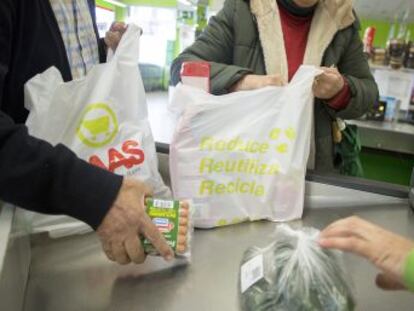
pixel 245 37
pixel 340 11
pixel 330 17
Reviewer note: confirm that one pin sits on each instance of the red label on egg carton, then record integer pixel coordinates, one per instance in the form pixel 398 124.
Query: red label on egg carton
pixel 196 74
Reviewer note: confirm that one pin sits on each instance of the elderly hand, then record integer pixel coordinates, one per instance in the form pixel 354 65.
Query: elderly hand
pixel 114 34
pixel 253 82
pixel 328 84
pixel 384 249
pixel 121 228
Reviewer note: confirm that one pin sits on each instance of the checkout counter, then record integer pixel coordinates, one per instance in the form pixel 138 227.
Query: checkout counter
pixel 38 272
pixel 388 146
pixel 387 136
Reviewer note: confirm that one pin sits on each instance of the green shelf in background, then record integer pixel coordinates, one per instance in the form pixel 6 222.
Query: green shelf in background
pixel 386 166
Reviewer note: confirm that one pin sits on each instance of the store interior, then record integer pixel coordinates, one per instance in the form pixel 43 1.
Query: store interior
pixel 386 134
pixel 59 262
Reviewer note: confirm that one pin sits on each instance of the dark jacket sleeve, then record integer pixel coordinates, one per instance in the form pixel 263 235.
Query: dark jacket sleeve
pixel 215 45
pixel 38 176
pixel 354 67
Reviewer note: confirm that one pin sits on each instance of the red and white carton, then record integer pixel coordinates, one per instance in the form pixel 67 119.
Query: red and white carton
pixel 196 74
pixel 368 40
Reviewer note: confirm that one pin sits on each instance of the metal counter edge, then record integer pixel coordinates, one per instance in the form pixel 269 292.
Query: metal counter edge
pixel 359 184
pixel 6 221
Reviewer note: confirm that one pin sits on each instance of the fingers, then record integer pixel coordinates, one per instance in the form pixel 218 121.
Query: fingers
pixel 323 87
pixel 326 81
pixel 114 35
pixel 275 80
pixel 320 90
pixel 134 249
pixel 328 84
pixel 254 82
pixel 120 254
pixel 125 220
pixel 112 39
pixel 387 282
pixel 118 26
pixel 386 250
pixel 141 188
pixel 347 244
pixel 151 232
pixel 333 70
pixel 147 190
pixel 108 251
pixel 350 235
pixel 345 227
pixel 123 254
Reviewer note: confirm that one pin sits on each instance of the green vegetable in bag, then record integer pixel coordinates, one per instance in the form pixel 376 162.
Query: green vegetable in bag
pixel 294 274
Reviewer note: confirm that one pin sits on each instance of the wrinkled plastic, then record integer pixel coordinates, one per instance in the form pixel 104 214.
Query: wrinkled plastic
pixel 243 156
pixel 298 275
pixel 102 118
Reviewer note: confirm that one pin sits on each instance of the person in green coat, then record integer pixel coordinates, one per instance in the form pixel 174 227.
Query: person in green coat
pixel 257 43
pixel 389 252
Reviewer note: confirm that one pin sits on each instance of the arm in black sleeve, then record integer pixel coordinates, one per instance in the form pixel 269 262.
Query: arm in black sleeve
pixel 39 177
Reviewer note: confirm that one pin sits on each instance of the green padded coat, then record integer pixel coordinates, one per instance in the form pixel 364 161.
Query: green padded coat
pixel 246 37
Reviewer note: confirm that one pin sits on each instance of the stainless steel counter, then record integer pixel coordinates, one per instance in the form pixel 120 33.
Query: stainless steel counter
pixel 14 258
pixel 395 137
pixel 73 274
pixel 6 215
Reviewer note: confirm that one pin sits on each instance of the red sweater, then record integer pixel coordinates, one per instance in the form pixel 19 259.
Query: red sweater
pixel 295 33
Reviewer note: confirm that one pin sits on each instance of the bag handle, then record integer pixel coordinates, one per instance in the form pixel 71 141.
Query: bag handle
pixel 128 48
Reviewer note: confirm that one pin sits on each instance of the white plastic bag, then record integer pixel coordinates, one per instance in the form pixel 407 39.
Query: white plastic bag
pixel 294 274
pixel 102 118
pixel 243 156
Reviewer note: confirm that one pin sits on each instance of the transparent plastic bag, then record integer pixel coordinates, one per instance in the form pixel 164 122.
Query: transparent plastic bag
pixel 294 274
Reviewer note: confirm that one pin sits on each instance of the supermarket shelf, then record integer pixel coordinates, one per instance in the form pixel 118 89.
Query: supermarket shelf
pixel 378 67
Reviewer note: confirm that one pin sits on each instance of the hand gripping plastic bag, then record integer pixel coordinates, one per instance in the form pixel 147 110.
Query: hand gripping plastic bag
pixel 102 118
pixel 243 156
pixel 294 274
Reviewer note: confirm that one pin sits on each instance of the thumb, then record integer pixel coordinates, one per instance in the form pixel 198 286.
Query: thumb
pixel 118 26
pixel 148 190
pixel 140 187
pixel 387 282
